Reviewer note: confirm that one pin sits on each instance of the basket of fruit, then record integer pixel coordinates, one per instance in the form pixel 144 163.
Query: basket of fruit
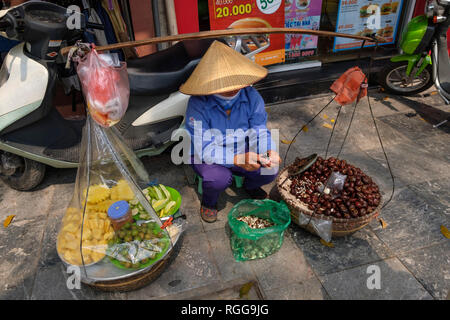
pixel 119 252
pixel 349 209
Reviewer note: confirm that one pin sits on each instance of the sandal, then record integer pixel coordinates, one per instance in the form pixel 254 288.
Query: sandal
pixel 208 214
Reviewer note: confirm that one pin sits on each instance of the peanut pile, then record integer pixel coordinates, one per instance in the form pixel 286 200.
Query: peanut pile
pixel 255 222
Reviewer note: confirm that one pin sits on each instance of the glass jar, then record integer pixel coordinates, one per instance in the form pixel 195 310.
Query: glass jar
pixel 120 213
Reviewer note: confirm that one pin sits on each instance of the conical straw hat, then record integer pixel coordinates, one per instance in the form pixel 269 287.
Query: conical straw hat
pixel 221 70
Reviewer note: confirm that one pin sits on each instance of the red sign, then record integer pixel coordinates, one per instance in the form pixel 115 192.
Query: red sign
pixel 238 14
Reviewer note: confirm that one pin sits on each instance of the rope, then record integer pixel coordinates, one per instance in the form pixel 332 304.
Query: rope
pixel 332 131
pixel 348 130
pixel 378 133
pixel 301 129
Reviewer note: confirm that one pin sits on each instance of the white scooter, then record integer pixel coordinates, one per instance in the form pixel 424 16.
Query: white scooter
pixel 33 134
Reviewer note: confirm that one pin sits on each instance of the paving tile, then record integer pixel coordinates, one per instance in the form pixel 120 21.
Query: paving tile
pixel 233 292
pixel 436 193
pixel 309 290
pixel 229 198
pixel 411 163
pixel 218 290
pixel 412 224
pixel 428 111
pixel 192 266
pixel 19 248
pixel 412 127
pixel 26 205
pixel 351 251
pixel 396 283
pixel 384 104
pixel 437 145
pixel 364 134
pixel 431 267
pixel 51 284
pixel 229 268
pixel 286 266
pixel 316 137
pixel 192 225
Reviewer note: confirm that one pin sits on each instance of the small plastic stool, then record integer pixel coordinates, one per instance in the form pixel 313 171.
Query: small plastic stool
pixel 238 180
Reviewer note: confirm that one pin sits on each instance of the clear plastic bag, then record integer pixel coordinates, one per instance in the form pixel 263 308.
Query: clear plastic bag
pixel 334 185
pixel 100 232
pixel 105 85
pixel 248 243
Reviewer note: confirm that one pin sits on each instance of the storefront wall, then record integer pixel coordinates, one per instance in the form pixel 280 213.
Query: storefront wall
pixel 348 16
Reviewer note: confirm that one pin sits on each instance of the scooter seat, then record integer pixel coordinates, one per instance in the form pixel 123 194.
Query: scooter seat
pixel 165 71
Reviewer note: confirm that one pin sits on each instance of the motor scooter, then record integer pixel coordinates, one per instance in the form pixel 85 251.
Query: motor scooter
pixel 425 60
pixel 33 134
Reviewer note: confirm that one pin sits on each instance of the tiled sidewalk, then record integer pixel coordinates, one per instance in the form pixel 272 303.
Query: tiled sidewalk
pixel 412 254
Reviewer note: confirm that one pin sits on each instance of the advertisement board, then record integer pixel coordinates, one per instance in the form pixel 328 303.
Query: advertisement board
pixel 365 17
pixel 226 14
pixel 303 14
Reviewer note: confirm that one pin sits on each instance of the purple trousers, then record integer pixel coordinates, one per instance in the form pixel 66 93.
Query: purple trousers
pixel 217 178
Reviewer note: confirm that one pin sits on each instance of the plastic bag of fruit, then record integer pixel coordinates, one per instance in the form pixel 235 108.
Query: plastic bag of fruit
pixel 262 234
pixel 105 85
pixel 101 232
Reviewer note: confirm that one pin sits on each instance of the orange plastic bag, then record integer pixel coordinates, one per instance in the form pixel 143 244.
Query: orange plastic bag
pixel 351 86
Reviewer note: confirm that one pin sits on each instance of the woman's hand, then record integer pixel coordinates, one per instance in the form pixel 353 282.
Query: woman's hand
pixel 247 161
pixel 273 160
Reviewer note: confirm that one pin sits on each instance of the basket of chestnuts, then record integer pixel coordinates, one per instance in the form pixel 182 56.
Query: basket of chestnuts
pixel 350 206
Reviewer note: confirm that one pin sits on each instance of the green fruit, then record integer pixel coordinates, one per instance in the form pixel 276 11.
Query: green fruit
pixel 165 191
pixel 148 236
pixel 122 234
pixel 145 261
pixel 141 235
pixel 134 227
pixel 128 265
pixel 134 233
pixel 128 239
pixel 169 206
pixel 135 265
pixel 127 225
pixel 158 192
pixel 137 238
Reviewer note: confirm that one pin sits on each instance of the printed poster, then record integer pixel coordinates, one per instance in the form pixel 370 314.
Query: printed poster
pixel 364 17
pixel 230 14
pixel 304 14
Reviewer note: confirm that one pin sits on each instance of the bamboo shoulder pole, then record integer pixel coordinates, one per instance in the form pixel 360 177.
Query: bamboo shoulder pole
pixel 225 33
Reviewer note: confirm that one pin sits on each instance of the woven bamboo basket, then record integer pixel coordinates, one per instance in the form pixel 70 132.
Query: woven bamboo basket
pixel 134 282
pixel 340 227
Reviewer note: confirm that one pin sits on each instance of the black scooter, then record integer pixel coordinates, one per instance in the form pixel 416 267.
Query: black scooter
pixel 32 132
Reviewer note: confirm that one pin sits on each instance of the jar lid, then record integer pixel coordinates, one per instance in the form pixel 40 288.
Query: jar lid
pixel 118 209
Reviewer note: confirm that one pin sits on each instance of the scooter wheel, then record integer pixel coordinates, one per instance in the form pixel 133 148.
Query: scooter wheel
pixel 394 80
pixel 25 177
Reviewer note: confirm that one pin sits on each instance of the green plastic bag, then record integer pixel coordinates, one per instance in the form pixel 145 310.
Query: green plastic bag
pixel 248 243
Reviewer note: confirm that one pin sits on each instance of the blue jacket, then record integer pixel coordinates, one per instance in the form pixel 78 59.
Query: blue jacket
pixel 209 142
